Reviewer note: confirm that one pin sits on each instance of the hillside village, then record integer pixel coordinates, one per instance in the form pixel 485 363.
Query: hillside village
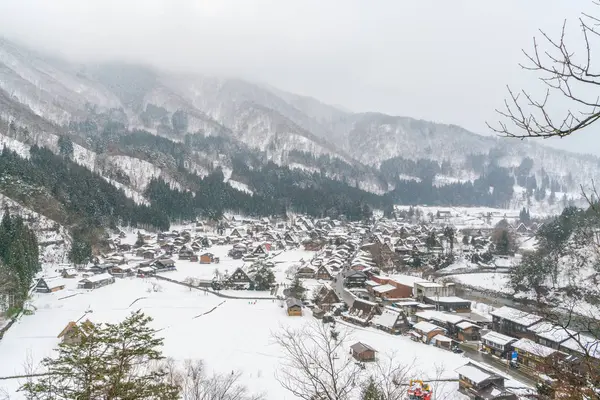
pixel 399 276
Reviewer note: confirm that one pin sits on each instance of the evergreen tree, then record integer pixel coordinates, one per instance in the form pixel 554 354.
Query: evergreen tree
pixel 65 146
pixel 297 290
pixel 106 362
pixel 431 241
pixel 370 391
pixel 140 240
pixel 524 216
pixel 81 248
pixel 19 254
pixel 449 234
pixel 264 279
pixel 504 241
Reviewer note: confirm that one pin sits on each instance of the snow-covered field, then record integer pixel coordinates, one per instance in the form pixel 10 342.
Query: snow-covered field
pixel 237 335
pixel 494 281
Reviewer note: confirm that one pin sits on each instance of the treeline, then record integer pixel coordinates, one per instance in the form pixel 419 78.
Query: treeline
pixel 19 258
pixel 426 170
pixel 476 193
pixel 87 197
pixel 276 191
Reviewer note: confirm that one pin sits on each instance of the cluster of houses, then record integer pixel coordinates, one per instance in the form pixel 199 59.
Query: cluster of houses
pixel 534 344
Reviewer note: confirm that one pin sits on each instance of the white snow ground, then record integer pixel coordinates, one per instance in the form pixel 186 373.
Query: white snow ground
pixel 235 336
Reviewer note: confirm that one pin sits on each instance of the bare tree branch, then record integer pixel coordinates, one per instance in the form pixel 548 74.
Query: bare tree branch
pixel 316 364
pixel 567 77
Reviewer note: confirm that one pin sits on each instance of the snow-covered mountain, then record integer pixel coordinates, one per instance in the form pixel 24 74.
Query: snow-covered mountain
pixel 46 94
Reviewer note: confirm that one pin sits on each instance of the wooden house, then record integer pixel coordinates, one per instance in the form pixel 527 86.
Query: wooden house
pixel 467 331
pixel 391 321
pixel 96 281
pixel 477 382
pixel 325 297
pixel 305 271
pixel 69 273
pixel 293 307
pixel 442 341
pixel 449 303
pixel 551 335
pixel 534 355
pixel 361 312
pixel 362 352
pixel 425 331
pixel 237 233
pixel 323 272
pixel 512 322
pixel 164 264
pixel 71 334
pixel 148 254
pixel 497 344
pixel 185 253
pixel 208 258
pixel 121 271
pixel 145 271
pixel 260 250
pixel 355 279
pixel 240 278
pixel 444 320
pixel 49 285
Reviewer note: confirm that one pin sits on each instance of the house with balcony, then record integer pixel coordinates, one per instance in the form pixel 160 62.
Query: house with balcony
pixel 477 382
pixel 512 322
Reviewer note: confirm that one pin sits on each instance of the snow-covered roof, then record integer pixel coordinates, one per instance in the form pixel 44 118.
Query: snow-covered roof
pixel 474 373
pixel 466 325
pixel 384 288
pixel 440 316
pixel 426 327
pixel 360 347
pixel 441 338
pixel 517 316
pixel 428 284
pixel 98 278
pixel 406 280
pixel 534 348
pixel 552 332
pixel 450 299
pixel 401 303
pixel 582 343
pixel 387 319
pixel 55 282
pixel 498 338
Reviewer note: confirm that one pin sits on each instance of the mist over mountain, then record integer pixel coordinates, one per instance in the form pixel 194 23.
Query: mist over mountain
pixel 112 111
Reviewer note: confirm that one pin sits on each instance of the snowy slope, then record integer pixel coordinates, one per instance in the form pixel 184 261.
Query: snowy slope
pixel 43 93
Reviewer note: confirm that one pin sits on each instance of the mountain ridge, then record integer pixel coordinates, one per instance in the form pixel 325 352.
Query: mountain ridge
pixel 48 95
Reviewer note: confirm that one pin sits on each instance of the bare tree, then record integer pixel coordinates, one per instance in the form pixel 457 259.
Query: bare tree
pixel 391 377
pixel 195 384
pixel 316 364
pixel 568 75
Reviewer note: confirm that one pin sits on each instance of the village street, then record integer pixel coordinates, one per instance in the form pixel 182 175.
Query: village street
pixel 474 354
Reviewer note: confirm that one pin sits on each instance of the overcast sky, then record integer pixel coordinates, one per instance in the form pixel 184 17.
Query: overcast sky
pixel 445 60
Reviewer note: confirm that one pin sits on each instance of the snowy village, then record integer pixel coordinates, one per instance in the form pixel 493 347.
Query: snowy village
pixel 428 285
